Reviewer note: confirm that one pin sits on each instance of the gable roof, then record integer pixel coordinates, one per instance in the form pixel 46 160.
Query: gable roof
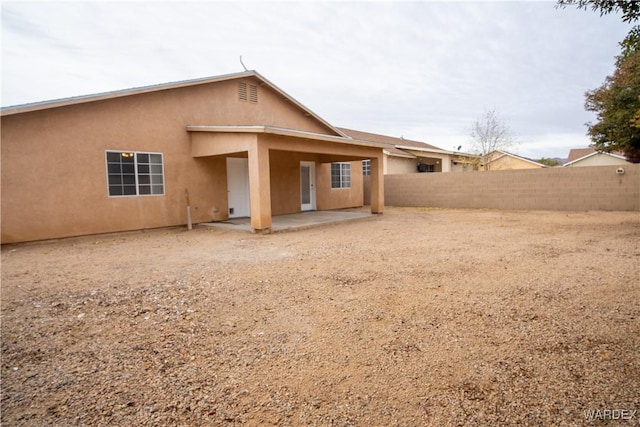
pixel 393 145
pixel 501 154
pixel 274 130
pixel 577 153
pixel 589 152
pixel 43 105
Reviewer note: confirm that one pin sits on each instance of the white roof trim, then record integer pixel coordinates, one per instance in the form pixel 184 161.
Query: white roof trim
pixel 283 132
pixel 55 103
pixel 407 155
pixel 504 153
pixel 426 150
pixel 593 154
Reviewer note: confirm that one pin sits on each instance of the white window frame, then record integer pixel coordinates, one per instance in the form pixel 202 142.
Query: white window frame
pixel 344 176
pixel 137 173
pixel 366 167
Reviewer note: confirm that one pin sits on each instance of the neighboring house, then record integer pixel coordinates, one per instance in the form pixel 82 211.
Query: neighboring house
pixel 502 160
pixel 233 145
pixel 407 156
pixel 590 157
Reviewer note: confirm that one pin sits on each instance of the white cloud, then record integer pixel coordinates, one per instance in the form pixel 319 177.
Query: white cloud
pixel 422 69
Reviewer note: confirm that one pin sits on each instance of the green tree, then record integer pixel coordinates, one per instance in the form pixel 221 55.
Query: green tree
pixel 617 102
pixel 630 10
pixel 548 162
pixel 617 106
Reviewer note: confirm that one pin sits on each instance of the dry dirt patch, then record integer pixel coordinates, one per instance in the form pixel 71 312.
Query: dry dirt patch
pixel 418 317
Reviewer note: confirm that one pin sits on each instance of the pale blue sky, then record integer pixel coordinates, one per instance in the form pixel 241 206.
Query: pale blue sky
pixel 424 70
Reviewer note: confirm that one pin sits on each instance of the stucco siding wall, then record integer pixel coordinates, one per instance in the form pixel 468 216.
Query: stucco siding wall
pixel 599 160
pixel 54 180
pixel 589 188
pixel 285 180
pixel 400 165
pixel 338 198
pixel 507 162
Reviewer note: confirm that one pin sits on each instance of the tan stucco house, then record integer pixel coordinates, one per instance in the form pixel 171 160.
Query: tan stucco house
pixel 579 157
pixel 403 155
pixel 502 160
pixel 233 145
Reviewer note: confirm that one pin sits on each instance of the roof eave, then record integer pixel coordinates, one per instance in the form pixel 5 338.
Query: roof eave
pixel 25 108
pixel 524 159
pixel 403 155
pixel 593 154
pixel 283 132
pixel 55 103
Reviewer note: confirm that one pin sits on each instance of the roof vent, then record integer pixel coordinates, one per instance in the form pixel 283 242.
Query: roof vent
pixel 247 92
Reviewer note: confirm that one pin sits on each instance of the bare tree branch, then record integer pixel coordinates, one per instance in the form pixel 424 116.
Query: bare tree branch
pixel 489 134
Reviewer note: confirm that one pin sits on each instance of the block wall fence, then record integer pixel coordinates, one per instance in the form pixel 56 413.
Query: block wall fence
pixel 558 189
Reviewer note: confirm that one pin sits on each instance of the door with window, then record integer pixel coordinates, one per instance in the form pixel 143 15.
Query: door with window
pixel 307 186
pixel 238 187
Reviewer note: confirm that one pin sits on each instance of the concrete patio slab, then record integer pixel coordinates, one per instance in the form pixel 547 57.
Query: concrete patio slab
pixel 297 221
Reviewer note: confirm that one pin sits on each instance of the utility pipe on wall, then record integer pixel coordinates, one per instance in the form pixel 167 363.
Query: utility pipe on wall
pixel 189 225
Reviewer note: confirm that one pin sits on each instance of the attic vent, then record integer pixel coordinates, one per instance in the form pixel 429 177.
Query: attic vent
pixel 242 91
pixel 247 92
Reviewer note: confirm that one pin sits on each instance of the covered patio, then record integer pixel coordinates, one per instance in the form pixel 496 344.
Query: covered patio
pixel 271 152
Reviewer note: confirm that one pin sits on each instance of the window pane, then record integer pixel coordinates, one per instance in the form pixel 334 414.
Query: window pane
pixel 346 175
pixel 129 190
pixel 366 167
pixel 131 173
pixel 115 190
pixel 335 175
pixel 305 184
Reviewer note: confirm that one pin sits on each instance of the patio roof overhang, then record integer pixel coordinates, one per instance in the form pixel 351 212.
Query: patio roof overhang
pixel 256 142
pixel 273 130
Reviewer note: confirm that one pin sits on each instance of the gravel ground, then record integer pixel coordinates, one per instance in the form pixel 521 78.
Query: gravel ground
pixel 417 317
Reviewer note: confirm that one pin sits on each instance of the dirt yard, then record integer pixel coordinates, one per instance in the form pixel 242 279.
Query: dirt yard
pixel 417 317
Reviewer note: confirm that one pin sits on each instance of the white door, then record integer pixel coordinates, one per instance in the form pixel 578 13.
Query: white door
pixel 238 187
pixel 308 186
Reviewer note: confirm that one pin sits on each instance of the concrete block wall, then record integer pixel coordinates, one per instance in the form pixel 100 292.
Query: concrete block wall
pixel 585 188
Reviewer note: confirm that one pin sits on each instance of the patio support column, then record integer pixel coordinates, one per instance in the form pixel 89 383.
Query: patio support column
pixel 259 187
pixel 377 185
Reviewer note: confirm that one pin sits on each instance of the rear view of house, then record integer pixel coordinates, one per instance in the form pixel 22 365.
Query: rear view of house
pixel 236 145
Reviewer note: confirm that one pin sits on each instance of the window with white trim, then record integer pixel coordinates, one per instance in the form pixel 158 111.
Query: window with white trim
pixel 131 173
pixel 366 167
pixel 340 175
